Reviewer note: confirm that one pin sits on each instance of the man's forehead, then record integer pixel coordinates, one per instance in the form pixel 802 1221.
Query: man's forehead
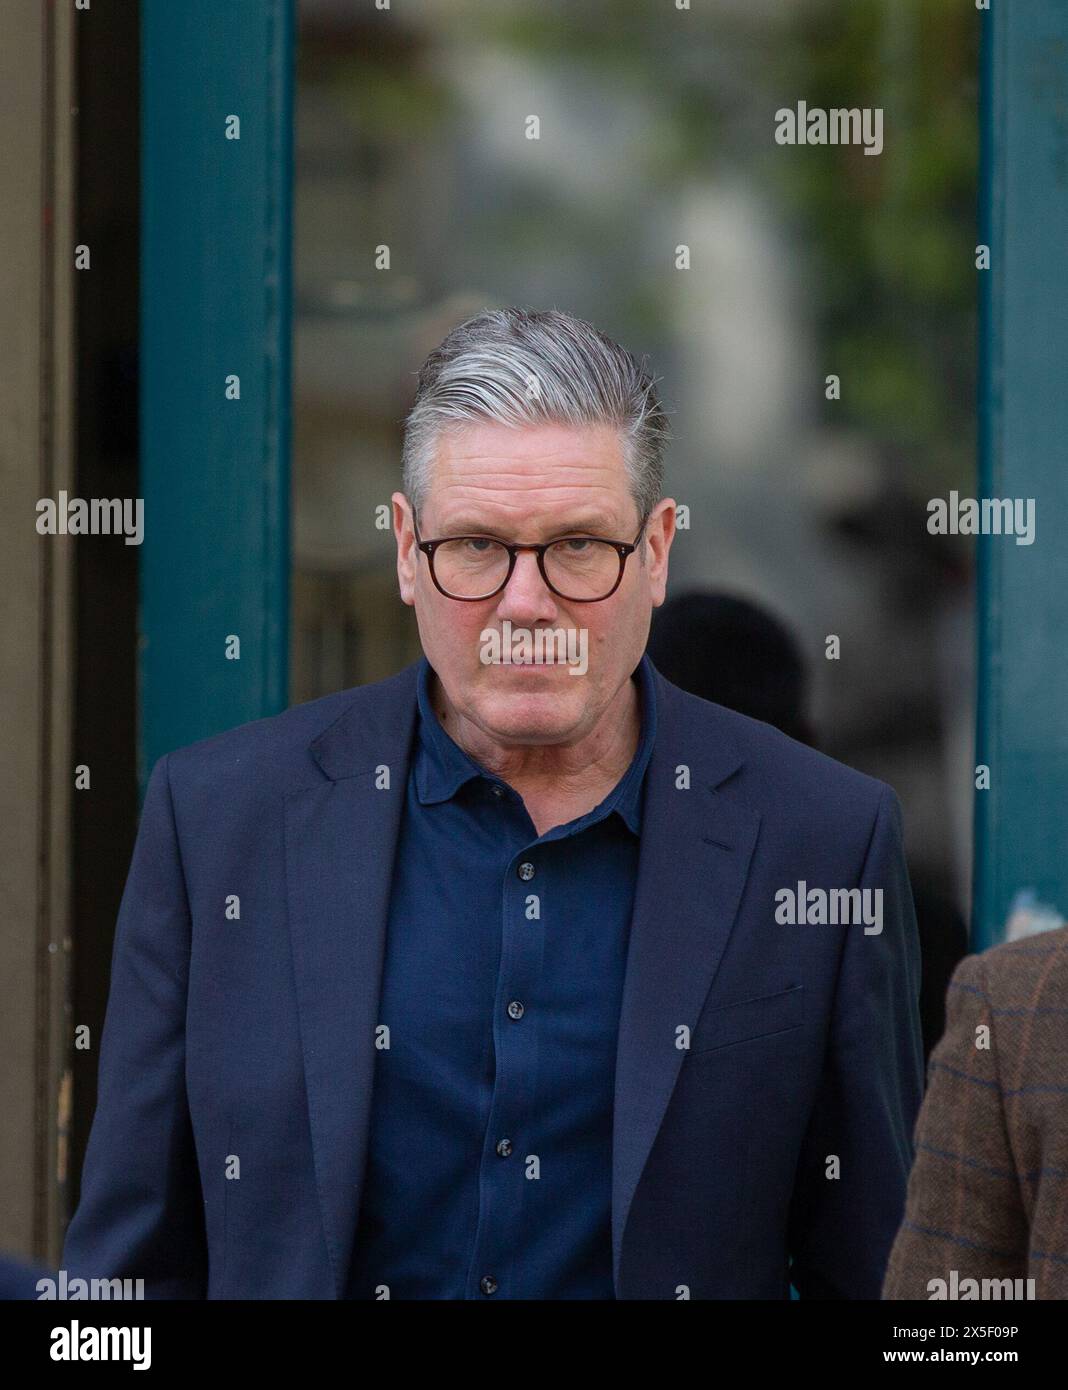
pixel 542 474
pixel 589 507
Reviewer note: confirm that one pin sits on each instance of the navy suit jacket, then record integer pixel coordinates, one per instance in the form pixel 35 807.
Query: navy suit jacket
pixel 18 1280
pixel 230 1136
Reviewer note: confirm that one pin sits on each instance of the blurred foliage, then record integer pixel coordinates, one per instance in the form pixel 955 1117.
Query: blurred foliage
pixel 893 237
pixel 378 80
pixel 885 245
pixel 889 240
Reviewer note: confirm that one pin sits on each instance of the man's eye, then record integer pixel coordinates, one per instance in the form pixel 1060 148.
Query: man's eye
pixel 575 544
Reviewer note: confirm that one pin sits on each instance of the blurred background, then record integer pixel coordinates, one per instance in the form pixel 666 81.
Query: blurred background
pixel 384 188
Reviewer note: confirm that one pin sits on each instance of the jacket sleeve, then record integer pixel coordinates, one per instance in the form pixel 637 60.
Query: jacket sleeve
pixel 964 1210
pixel 849 1191
pixel 141 1213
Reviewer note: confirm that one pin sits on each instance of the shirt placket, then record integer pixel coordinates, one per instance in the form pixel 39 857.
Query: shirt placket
pixel 508 1143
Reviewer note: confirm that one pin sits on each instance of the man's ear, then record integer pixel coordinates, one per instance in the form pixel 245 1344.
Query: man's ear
pixel 407 554
pixel 659 534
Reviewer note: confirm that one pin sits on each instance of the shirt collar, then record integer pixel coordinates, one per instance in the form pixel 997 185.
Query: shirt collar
pixel 442 767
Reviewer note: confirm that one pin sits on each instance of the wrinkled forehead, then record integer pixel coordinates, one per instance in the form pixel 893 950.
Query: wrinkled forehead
pixel 553 472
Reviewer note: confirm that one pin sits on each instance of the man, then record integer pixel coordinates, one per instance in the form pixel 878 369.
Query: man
pixel 19 1280
pixel 480 982
pixel 987 1215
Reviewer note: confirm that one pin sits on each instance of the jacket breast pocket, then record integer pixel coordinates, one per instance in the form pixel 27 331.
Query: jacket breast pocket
pixel 748 1019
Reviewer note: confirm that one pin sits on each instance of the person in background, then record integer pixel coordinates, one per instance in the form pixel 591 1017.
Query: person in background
pixel 988 1193
pixel 732 651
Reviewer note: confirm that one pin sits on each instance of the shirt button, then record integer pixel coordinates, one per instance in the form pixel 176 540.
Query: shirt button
pixel 515 1009
pixel 498 791
pixel 504 1147
pixel 488 1284
pixel 526 871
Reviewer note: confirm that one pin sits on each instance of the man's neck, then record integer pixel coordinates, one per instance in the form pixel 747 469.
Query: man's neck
pixel 558 782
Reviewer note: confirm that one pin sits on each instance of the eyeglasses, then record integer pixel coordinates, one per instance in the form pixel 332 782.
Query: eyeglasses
pixel 580 569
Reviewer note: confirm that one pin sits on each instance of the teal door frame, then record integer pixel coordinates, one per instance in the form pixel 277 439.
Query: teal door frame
pixel 1021 822
pixel 215 385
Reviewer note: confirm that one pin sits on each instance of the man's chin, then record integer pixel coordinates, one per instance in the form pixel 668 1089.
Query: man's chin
pixel 543 712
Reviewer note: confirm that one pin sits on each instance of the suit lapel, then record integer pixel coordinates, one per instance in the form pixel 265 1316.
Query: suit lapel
pixel 341 835
pixel 696 845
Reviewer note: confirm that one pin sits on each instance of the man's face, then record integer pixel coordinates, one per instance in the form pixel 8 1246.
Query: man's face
pixel 533 484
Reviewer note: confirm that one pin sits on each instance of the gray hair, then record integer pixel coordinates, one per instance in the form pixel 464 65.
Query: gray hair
pixel 524 367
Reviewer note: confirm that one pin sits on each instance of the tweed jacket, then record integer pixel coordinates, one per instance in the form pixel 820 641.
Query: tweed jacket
pixel 988 1192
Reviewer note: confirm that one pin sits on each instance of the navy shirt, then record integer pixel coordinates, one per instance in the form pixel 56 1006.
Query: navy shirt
pixel 489 1165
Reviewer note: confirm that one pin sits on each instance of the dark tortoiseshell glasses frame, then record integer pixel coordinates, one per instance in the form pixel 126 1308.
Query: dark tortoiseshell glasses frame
pixel 624 550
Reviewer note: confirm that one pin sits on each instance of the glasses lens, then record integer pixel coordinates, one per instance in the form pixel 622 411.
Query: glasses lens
pixel 470 566
pixel 582 569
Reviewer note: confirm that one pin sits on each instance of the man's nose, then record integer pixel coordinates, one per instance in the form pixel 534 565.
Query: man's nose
pixel 526 597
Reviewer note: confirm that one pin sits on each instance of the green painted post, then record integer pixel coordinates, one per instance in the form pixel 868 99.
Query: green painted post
pixel 1021 823
pixel 215 365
